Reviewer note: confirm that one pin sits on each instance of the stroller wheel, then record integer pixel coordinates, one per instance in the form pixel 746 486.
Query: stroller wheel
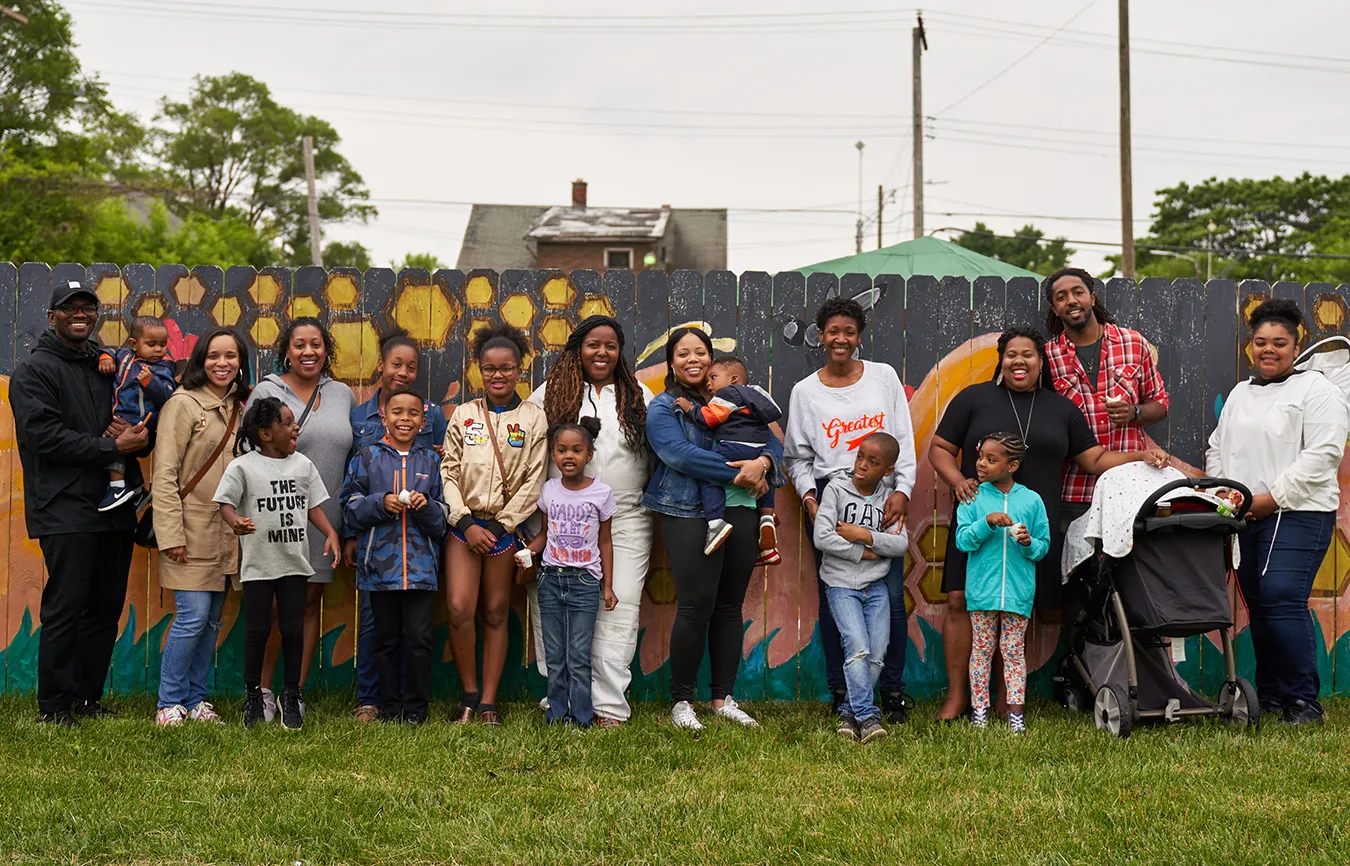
pixel 1076 700
pixel 1238 704
pixel 1111 712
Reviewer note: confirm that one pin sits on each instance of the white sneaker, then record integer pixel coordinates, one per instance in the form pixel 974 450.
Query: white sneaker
pixel 718 530
pixel 269 706
pixel 171 717
pixel 204 712
pixel 543 704
pixel 731 711
pixel 683 716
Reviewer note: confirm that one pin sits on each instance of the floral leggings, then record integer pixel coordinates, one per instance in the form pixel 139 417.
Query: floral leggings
pixel 1011 642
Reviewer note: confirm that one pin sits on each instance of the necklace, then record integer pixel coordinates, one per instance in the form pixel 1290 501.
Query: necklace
pixel 1030 412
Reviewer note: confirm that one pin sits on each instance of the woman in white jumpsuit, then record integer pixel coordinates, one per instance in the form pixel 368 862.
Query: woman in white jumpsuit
pixel 593 378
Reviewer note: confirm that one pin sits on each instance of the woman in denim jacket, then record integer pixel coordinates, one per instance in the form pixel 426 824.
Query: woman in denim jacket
pixel 711 589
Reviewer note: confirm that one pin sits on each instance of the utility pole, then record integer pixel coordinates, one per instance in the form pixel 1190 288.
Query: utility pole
pixel 920 45
pixel 881 204
pixel 7 12
pixel 1126 167
pixel 315 241
pixel 858 234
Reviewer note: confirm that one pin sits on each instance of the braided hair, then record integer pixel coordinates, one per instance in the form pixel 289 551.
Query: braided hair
pixel 588 427
pixel 1011 442
pixel 1053 324
pixel 264 412
pixel 567 385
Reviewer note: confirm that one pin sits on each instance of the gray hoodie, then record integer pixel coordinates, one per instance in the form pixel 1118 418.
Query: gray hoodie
pixel 842 564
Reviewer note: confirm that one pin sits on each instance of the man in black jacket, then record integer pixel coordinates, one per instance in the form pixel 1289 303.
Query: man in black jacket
pixel 62 412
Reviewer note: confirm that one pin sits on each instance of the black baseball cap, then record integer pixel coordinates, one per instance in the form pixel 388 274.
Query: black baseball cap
pixel 64 290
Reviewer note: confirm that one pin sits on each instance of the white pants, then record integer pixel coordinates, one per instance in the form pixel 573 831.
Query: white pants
pixel 616 631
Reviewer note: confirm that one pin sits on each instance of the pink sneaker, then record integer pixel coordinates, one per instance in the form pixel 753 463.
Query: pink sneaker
pixel 171 717
pixel 204 712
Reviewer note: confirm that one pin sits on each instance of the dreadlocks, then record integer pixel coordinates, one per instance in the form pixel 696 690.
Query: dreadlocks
pixel 1052 321
pixel 567 385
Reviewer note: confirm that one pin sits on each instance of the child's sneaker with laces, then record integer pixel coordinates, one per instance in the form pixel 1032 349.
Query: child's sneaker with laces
pixel 204 712
pixel 116 497
pixel 292 718
pixel 731 710
pixel 253 707
pixel 1017 721
pixel 269 706
pixel 170 717
pixel 768 542
pixel 682 715
pixel 848 728
pixel 871 730
pixel 980 717
pixel 718 530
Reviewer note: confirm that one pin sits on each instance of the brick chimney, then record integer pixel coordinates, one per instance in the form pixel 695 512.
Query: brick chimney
pixel 579 194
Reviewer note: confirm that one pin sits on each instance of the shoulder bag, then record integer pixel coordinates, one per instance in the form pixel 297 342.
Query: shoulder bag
pixel 145 523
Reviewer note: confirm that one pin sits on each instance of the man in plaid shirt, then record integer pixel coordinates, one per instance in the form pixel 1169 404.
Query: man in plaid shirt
pixel 1106 370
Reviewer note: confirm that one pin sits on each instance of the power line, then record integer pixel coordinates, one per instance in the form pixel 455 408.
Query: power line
pixel 1111 135
pixel 1216 251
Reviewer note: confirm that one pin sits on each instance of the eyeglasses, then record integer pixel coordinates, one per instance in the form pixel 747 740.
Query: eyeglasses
pixel 503 372
pixel 78 309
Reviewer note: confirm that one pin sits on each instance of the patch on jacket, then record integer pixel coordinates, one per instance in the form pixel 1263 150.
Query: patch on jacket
pixel 515 437
pixel 474 432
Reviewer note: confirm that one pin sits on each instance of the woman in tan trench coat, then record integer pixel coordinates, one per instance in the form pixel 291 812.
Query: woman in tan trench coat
pixel 197 551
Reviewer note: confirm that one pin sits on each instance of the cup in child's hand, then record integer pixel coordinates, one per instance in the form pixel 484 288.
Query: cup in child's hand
pixel 1016 529
pixel 404 497
pixel 525 558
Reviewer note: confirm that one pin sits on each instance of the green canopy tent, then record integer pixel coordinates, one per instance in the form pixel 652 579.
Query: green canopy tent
pixel 928 256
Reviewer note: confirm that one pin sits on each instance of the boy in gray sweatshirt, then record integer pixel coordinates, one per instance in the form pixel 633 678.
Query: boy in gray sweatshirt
pixel 855 559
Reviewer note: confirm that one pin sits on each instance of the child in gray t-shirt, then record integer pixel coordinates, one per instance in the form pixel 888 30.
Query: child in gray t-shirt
pixel 268 496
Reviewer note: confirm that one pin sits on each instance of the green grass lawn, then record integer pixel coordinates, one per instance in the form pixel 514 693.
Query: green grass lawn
pixel 122 791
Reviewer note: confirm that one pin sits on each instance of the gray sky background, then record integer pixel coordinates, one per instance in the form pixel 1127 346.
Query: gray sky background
pixel 755 106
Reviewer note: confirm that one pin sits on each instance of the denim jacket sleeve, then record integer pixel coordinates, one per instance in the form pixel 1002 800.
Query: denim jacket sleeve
pixel 665 433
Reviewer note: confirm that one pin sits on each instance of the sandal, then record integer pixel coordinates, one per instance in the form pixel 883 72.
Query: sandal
pixel 462 715
pixel 606 722
pixel 490 718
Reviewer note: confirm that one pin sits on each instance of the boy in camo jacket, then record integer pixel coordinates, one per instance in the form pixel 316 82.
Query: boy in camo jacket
pixel 392 506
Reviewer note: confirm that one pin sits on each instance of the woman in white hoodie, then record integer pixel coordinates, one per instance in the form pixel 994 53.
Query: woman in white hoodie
pixel 1282 433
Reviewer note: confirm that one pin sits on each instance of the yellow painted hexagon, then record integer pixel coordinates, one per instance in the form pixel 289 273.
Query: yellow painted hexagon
pixel 303 306
pixel 226 310
pixel 112 332
pixel 426 314
pixel 930 585
pixel 554 331
pixel 661 585
pixel 933 543
pixel 111 290
pixel 265 332
pixel 188 290
pixel 358 350
pixel 474 378
pixel 478 293
pixel 518 310
pixel 266 291
pixel 558 293
pixel 1333 575
pixel 474 326
pixel 341 292
pixel 1329 312
pixel 150 305
pixel 596 305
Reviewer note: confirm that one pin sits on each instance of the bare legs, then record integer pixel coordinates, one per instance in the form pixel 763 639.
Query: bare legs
pixel 956 640
pixel 478 585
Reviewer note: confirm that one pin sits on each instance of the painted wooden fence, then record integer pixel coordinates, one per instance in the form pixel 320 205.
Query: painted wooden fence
pixel 939 334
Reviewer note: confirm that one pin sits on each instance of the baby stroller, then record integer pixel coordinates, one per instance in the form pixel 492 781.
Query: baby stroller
pixel 1172 585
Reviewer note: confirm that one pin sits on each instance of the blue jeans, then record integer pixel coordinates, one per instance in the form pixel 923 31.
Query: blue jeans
pixel 714 496
pixel 367 675
pixel 893 675
pixel 568 601
pixel 189 647
pixel 864 620
pixel 1295 543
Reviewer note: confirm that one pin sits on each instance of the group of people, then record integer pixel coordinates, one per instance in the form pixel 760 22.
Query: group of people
pixel 270 486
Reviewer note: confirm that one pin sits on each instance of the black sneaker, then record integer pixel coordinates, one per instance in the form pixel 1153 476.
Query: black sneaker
pixel 848 728
pixel 60 719
pixel 253 706
pixel 871 730
pixel 116 497
pixel 896 705
pixel 1272 708
pixel 292 719
pixel 91 710
pixel 1301 713
pixel 837 697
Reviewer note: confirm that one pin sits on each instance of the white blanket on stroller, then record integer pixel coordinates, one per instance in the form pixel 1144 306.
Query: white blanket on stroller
pixel 1116 501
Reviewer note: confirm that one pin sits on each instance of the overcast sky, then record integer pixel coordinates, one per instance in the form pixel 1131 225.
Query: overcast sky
pixel 755 106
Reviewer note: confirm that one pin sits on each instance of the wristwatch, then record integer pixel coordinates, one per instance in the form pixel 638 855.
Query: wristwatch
pixel 1138 412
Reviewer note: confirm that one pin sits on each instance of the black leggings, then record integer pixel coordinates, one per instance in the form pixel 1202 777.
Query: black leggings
pixel 711 594
pixel 289 593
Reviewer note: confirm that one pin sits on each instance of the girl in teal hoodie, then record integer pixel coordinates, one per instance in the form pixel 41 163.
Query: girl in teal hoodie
pixel 1005 531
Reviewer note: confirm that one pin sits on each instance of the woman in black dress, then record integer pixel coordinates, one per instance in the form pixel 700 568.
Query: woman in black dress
pixel 1019 399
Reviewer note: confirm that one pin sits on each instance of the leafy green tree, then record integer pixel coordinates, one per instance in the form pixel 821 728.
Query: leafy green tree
pixel 1265 229
pixel 1026 249
pixel 41 85
pixel 418 260
pixel 346 254
pixel 233 151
